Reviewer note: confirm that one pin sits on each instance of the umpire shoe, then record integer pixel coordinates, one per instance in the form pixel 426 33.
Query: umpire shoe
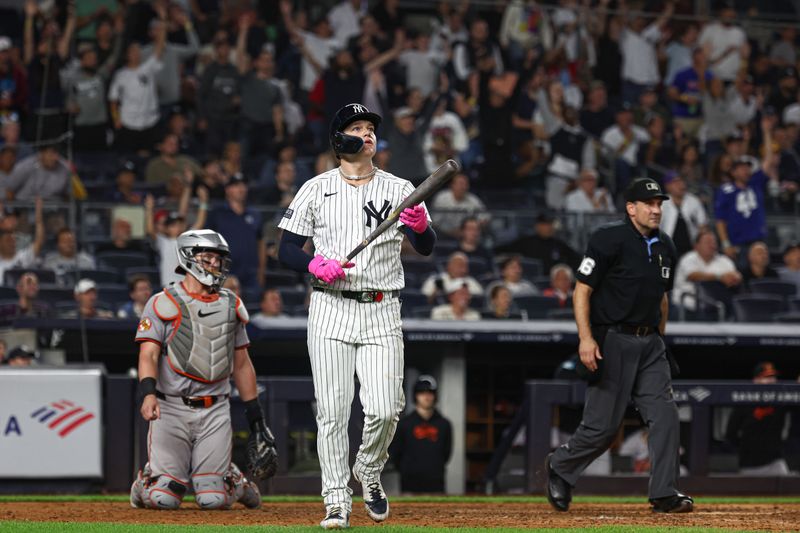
pixel 559 492
pixel 677 503
pixel 375 501
pixel 336 517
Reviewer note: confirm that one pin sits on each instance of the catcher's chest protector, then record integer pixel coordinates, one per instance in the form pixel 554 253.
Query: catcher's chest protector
pixel 202 345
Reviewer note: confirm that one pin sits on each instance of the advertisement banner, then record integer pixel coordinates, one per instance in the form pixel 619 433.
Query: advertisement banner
pixel 50 423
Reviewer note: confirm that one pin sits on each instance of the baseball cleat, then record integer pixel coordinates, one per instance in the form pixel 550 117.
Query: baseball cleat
pixel 677 503
pixel 375 501
pixel 137 492
pixel 335 518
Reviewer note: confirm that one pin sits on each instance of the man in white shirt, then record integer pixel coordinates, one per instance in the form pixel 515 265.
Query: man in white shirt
pixel 725 45
pixel 743 102
pixel 271 308
pixel 316 47
pixel 457 308
pixel 455 204
pixel 638 48
pixel 704 263
pixel 588 197
pixel 344 19
pixel 684 215
pixel 11 257
pixel 423 65
pixel 456 271
pixel 623 140
pixel 133 97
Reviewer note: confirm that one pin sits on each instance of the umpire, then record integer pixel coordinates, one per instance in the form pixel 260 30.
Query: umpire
pixel 621 310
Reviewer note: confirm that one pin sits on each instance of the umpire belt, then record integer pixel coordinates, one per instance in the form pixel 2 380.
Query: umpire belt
pixel 364 297
pixel 638 331
pixel 195 402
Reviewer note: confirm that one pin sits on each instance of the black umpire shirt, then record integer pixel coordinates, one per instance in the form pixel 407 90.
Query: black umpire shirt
pixel 628 273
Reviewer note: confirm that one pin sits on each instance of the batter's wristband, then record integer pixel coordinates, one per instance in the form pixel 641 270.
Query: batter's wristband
pixel 147 386
pixel 252 409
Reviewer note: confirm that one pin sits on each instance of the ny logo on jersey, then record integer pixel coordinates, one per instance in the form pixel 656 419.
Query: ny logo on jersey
pixel 378 215
pixel 358 108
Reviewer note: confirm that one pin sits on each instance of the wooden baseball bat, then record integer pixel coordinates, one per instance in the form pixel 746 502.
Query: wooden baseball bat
pixel 440 176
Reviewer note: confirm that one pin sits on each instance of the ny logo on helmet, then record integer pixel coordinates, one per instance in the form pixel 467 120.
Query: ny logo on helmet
pixel 358 108
pixel 378 214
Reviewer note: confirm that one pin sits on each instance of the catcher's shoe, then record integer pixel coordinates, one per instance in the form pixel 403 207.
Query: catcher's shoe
pixel 677 503
pixel 246 491
pixel 336 517
pixel 137 492
pixel 375 500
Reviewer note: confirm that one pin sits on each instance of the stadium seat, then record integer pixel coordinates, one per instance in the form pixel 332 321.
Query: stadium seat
pixel 293 297
pixel 532 268
pixel 99 275
pixel 151 272
pixel 537 307
pixel 12 275
pixel 714 291
pixel 421 312
pixel 563 313
pixel 8 293
pixel 757 307
pixel 794 303
pixel 280 278
pixel 113 293
pixel 298 311
pixel 411 299
pixel 784 289
pixel 445 247
pixel 792 317
pixel 421 267
pixel 542 282
pixel 53 294
pixel 122 260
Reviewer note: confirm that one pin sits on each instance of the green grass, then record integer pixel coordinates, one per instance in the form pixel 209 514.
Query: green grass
pixel 417 499
pixel 101 527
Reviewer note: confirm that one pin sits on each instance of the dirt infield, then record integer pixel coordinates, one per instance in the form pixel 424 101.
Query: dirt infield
pixel 762 517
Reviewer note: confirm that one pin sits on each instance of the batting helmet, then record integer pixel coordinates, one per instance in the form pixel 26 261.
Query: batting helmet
pixel 349 144
pixel 192 242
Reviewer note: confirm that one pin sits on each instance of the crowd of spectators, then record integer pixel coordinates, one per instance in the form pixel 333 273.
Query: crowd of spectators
pixel 206 113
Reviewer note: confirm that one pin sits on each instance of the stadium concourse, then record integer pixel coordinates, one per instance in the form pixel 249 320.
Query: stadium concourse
pixel 124 123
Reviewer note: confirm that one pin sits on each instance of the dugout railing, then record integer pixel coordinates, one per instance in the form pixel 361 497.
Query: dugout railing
pixel 542 396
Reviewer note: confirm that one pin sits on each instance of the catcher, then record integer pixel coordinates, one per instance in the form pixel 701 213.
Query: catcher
pixel 191 340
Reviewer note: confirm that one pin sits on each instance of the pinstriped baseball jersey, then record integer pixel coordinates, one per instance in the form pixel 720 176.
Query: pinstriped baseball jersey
pixel 338 216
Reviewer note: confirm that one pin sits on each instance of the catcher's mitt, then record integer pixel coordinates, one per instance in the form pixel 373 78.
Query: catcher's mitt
pixel 262 457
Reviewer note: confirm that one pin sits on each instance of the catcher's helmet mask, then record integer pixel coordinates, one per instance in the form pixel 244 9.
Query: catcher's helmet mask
pixel 350 144
pixel 194 242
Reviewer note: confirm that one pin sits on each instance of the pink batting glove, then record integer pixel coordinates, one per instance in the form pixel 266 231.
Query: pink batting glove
pixel 328 270
pixel 415 218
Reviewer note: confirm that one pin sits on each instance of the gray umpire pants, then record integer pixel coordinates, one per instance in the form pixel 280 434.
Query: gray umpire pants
pixel 632 368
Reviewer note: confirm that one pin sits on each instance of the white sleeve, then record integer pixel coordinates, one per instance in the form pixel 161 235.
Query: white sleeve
pixel 299 216
pixel 652 33
pixel 115 92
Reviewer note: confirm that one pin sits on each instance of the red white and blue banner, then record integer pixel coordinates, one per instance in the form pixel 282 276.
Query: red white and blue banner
pixel 50 423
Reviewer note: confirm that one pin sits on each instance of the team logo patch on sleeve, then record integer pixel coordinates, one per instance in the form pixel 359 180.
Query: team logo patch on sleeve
pixel 145 324
pixel 288 213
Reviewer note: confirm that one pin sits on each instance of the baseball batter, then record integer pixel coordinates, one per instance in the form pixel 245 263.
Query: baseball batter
pixel 354 320
pixel 192 339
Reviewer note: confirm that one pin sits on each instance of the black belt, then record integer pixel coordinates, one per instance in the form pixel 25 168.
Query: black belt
pixel 639 331
pixel 195 401
pixel 364 297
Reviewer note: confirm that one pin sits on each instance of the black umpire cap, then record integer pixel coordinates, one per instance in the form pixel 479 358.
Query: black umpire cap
pixel 643 189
